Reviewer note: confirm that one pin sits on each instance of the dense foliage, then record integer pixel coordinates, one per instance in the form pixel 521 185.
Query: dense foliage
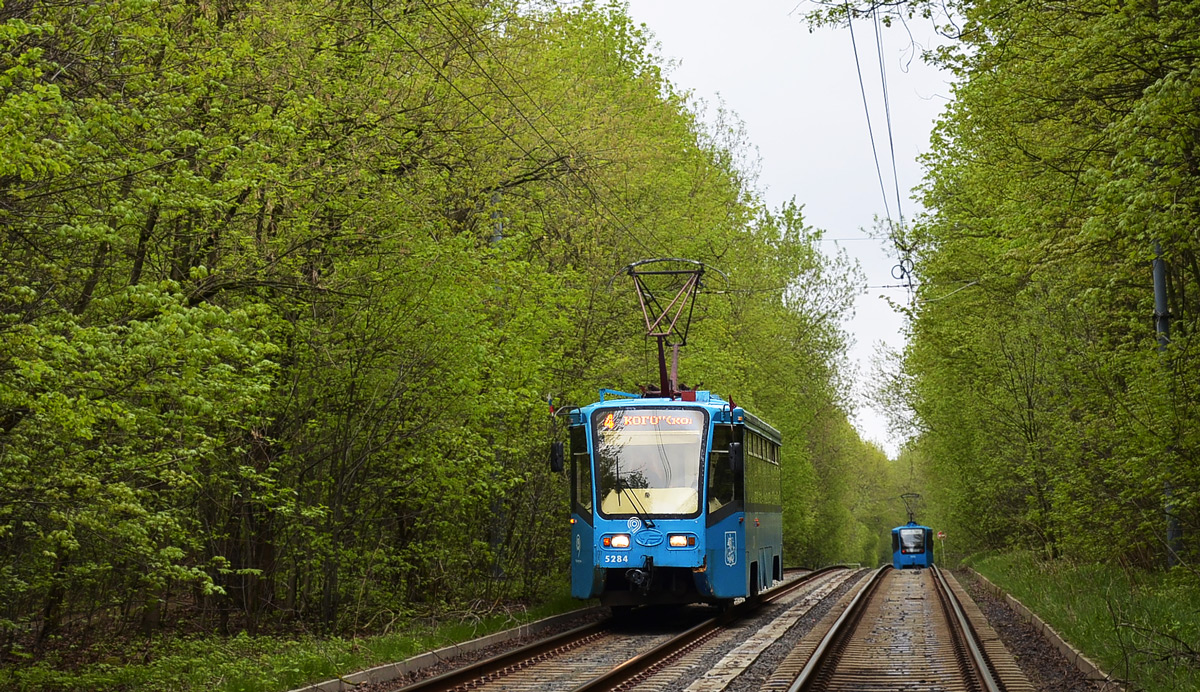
pixel 1054 407
pixel 285 287
pixel 1048 416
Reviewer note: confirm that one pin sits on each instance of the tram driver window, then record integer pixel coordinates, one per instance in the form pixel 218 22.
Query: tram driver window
pixel 721 489
pixel 581 472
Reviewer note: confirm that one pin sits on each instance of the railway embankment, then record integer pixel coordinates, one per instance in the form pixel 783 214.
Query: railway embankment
pixel 1116 627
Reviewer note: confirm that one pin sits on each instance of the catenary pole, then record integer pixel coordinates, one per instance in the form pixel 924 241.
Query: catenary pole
pixel 1162 326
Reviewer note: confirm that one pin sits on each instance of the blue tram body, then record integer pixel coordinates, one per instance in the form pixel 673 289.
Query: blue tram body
pixel 673 500
pixel 912 546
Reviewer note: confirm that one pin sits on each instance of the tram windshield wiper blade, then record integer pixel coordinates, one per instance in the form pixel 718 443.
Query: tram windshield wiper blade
pixel 641 512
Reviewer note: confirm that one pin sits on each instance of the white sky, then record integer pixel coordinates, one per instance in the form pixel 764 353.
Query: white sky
pixel 798 93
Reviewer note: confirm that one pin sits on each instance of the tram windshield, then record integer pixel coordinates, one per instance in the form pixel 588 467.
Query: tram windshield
pixel 648 461
pixel 912 541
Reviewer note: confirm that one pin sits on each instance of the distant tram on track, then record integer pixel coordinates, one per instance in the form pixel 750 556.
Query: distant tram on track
pixel 674 499
pixel 912 546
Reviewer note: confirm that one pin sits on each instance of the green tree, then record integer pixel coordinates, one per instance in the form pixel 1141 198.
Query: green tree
pixel 1063 159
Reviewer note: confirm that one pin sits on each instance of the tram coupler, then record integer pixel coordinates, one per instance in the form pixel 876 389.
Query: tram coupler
pixel 639 577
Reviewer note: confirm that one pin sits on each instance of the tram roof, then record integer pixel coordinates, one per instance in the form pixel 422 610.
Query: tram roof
pixel 696 398
pixel 911 525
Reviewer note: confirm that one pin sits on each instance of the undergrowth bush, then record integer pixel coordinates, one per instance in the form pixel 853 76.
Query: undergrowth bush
pixel 247 663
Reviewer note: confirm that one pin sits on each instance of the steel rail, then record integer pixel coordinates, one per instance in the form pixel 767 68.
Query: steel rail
pixel 509 660
pixel 649 660
pixel 840 628
pixel 972 661
pixel 645 661
pixel 982 666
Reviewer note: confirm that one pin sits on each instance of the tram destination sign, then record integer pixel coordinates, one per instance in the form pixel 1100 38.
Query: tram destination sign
pixel 630 420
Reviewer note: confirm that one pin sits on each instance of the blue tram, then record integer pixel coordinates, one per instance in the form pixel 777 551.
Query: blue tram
pixel 912 546
pixel 673 500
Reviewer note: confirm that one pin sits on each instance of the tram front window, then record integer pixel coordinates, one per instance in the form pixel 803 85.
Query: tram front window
pixel 912 541
pixel 648 461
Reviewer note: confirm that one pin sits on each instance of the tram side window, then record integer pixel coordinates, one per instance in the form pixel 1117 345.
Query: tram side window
pixel 774 479
pixel 762 474
pixel 721 489
pixel 581 472
pixel 753 468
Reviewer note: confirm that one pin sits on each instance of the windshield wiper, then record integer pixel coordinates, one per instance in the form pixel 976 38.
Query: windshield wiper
pixel 637 503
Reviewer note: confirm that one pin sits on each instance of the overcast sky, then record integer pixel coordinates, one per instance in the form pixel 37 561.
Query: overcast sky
pixel 798 93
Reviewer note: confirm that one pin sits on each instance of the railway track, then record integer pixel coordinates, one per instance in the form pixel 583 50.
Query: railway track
pixel 605 656
pixel 910 631
pixel 899 631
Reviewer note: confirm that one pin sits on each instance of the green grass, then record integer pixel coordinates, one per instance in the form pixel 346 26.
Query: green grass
pixel 258 664
pixel 1140 626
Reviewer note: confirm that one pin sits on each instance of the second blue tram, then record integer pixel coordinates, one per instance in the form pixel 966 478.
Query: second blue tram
pixel 912 546
pixel 673 500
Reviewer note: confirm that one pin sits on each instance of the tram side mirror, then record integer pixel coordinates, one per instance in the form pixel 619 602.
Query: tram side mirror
pixel 556 457
pixel 736 459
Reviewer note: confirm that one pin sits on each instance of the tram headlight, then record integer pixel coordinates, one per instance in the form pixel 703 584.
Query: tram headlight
pixel 620 540
pixel 681 540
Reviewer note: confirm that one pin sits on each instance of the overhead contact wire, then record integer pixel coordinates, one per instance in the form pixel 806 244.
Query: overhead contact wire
pixel 887 111
pixel 867 111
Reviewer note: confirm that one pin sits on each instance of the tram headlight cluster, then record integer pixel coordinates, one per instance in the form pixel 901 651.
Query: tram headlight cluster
pixel 623 540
